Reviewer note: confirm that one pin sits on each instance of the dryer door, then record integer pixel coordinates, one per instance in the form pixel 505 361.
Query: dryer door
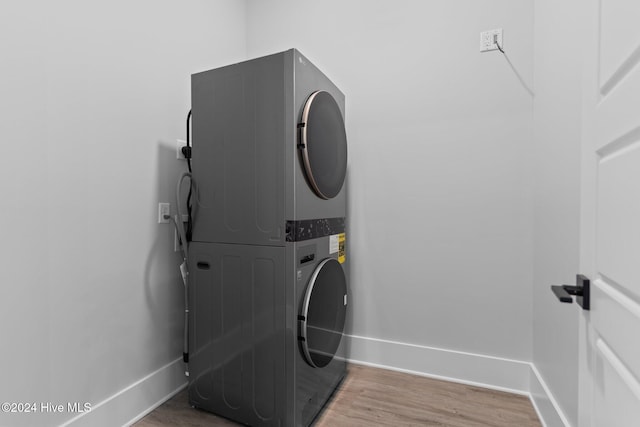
pixel 323 144
pixel 323 313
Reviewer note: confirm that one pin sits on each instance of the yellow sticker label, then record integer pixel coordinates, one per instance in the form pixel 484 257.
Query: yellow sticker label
pixel 341 252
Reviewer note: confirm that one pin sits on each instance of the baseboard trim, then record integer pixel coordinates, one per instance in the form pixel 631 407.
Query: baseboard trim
pixel 545 404
pixel 513 376
pixel 124 407
pixel 496 373
pixel 462 367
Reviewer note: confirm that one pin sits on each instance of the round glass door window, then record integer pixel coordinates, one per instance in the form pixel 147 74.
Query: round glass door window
pixel 323 144
pixel 323 313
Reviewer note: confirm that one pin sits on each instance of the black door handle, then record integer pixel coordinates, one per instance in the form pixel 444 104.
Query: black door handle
pixel 561 293
pixel 582 292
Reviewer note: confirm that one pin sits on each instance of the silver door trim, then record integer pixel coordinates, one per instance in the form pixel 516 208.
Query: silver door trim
pixel 305 309
pixel 304 143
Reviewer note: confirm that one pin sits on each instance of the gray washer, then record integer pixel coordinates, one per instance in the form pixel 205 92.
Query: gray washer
pixel 250 308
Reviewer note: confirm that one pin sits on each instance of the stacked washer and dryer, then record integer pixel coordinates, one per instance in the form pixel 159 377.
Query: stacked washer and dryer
pixel 267 261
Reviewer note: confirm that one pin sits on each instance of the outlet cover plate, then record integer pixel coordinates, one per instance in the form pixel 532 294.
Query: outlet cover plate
pixel 487 40
pixel 179 144
pixel 164 213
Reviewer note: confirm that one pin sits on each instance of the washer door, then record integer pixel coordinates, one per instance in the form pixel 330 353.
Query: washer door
pixel 323 144
pixel 323 313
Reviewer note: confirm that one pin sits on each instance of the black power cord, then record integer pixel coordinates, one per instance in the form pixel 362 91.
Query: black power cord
pixel 495 41
pixel 186 151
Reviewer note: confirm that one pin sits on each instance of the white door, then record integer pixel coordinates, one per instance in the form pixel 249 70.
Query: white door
pixel 610 222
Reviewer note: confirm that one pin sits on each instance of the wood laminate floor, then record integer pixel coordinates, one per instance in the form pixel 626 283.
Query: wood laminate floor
pixel 377 397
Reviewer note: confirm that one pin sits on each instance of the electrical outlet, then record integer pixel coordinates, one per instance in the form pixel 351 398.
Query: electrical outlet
pixel 179 144
pixel 164 213
pixel 489 40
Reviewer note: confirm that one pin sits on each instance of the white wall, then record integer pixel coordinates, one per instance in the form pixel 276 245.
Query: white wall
pixel 440 205
pixel 92 98
pixel 440 177
pixel 557 110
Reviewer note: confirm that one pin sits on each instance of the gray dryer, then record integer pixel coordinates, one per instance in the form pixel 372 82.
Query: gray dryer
pixel 269 146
